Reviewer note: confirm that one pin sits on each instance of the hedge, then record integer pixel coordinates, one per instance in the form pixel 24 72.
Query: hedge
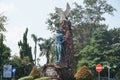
pixel 26 78
pixel 83 73
pixel 43 78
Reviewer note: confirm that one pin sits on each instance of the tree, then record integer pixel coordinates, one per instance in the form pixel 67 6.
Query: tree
pixel 46 49
pixel 2 29
pixel 85 19
pixel 103 48
pixel 2 22
pixel 25 49
pixel 23 66
pixel 4 52
pixel 36 40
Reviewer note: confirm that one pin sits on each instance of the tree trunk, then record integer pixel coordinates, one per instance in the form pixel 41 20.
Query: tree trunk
pixel 65 27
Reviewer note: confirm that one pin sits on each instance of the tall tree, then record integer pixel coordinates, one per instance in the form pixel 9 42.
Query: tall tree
pixel 25 49
pixel 36 40
pixel 103 48
pixel 85 19
pixel 4 52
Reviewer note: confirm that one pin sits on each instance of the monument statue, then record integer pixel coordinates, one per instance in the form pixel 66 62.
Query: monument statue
pixel 59 40
pixel 65 27
pixel 63 70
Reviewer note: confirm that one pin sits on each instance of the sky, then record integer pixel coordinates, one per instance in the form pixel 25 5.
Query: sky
pixel 33 14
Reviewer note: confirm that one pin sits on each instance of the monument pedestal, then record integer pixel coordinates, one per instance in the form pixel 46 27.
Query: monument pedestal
pixel 57 71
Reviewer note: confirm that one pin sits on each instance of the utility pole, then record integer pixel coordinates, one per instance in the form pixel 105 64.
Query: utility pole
pixel 1 50
pixel 108 70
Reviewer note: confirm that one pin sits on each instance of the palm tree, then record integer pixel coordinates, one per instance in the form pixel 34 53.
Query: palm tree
pixel 45 48
pixel 36 40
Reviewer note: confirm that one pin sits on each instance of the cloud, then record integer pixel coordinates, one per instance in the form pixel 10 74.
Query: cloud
pixel 7 8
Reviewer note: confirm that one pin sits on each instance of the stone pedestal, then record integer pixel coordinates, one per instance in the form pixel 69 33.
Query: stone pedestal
pixel 57 71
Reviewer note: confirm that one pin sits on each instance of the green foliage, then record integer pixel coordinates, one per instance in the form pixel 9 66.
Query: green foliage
pixel 46 49
pixel 23 66
pixel 85 19
pixel 36 40
pixel 83 73
pixel 2 22
pixel 53 21
pixel 25 49
pixel 117 75
pixel 43 78
pixel 15 61
pixel 104 49
pixel 26 78
pixel 4 52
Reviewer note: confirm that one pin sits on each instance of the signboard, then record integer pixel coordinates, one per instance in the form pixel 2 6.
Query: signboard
pixel 99 67
pixel 7 71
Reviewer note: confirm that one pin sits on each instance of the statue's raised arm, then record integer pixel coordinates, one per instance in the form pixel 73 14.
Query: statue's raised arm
pixel 63 14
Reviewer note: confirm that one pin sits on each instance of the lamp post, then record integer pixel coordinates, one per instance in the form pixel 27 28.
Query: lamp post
pixel 99 68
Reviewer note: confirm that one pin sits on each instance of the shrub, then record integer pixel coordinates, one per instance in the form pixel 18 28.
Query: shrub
pixel 117 75
pixel 43 78
pixel 26 78
pixel 83 73
pixel 35 73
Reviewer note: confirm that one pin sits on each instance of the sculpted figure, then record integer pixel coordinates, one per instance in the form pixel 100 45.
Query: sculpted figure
pixel 63 14
pixel 59 39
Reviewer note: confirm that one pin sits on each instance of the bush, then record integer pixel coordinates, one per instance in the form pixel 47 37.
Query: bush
pixel 26 78
pixel 83 73
pixel 117 75
pixel 43 78
pixel 35 73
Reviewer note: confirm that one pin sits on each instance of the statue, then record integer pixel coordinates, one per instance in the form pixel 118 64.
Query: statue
pixel 65 27
pixel 59 40
pixel 63 14
pixel 62 69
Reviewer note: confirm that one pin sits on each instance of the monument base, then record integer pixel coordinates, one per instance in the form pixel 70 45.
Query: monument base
pixel 58 71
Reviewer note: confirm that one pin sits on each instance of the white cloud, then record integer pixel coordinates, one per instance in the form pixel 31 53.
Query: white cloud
pixel 7 8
